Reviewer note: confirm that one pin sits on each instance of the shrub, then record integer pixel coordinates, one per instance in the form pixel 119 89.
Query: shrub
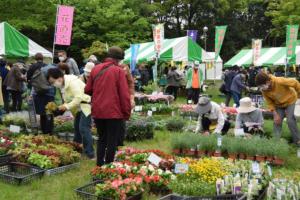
pixel 139 130
pixel 184 185
pixel 175 124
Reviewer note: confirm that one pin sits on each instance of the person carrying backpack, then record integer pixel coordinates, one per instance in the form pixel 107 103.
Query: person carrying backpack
pixel 42 92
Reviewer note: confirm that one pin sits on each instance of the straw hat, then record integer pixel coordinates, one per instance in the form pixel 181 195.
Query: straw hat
pixel 246 106
pixel 204 105
pixel 89 66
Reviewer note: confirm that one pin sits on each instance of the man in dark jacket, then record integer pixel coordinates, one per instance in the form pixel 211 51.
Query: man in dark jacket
pixel 3 73
pixel 42 99
pixel 237 87
pixel 108 87
pixel 229 75
pixel 14 83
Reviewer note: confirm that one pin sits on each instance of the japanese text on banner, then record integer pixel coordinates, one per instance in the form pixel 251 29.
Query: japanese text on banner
pixel 64 22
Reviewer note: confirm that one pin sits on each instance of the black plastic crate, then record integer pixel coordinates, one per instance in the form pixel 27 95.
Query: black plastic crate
pixel 5 158
pixel 87 192
pixel 19 173
pixel 219 197
pixel 172 197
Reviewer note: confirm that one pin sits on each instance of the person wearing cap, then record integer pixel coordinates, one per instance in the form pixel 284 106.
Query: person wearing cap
pixel 87 71
pixel 93 59
pixel 210 117
pixel 249 117
pixel 194 77
pixel 281 95
pixel 111 105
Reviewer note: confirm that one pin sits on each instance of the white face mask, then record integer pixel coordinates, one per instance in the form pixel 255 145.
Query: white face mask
pixel 61 58
pixel 87 74
pixel 58 84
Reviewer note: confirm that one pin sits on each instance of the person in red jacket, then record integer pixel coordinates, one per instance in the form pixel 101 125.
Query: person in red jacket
pixel 108 87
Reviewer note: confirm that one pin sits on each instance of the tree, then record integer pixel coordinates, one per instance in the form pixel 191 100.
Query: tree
pixel 283 13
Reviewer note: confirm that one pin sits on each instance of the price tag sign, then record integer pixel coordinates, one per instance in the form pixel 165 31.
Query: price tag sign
pixel 136 108
pixel 190 118
pixel 181 168
pixel 255 168
pixel 298 153
pixel 153 109
pixel 219 141
pixel 190 102
pixel 279 194
pixel 14 129
pixel 239 132
pixel 173 113
pixel 154 159
pixel 149 113
pixel 269 170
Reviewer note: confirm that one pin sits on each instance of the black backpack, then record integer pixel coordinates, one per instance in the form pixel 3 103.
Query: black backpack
pixel 39 82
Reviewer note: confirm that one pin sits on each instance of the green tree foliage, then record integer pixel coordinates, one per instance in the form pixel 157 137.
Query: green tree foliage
pixel 283 13
pixel 121 22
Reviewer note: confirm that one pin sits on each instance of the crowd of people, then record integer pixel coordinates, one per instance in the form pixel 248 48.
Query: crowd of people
pixel 103 93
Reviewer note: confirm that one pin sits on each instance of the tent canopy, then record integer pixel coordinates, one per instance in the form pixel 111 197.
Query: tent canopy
pixel 14 44
pixel 268 56
pixel 176 49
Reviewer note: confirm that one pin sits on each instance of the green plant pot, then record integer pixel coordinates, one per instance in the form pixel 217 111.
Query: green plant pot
pixel 260 158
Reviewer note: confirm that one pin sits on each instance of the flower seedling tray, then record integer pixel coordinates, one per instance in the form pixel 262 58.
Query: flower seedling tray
pixel 5 158
pixel 19 173
pixel 61 169
pixel 66 136
pixel 87 192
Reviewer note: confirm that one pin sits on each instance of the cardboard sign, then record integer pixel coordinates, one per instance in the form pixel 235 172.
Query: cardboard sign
pixel 149 113
pixel 238 132
pixel 255 168
pixel 14 129
pixel 181 168
pixel 136 108
pixel 154 159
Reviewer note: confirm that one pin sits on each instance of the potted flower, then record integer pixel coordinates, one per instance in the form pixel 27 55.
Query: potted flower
pixel 129 188
pixel 250 149
pixel 282 152
pixel 177 144
pixel 231 146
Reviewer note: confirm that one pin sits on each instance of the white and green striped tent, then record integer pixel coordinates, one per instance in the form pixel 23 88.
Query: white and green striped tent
pixel 269 56
pixel 14 44
pixel 176 49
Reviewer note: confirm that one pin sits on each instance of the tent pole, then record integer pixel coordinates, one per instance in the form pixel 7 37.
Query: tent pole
pixel 53 48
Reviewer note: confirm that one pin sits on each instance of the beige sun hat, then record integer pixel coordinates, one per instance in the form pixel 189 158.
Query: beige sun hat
pixel 89 66
pixel 246 106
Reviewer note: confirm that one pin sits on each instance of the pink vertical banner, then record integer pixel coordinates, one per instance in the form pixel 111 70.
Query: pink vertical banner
pixel 64 22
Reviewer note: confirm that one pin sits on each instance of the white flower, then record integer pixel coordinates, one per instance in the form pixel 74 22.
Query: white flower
pixel 173 177
pixel 160 171
pixel 151 168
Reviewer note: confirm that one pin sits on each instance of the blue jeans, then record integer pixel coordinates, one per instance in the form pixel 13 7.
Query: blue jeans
pixel 236 98
pixel 83 134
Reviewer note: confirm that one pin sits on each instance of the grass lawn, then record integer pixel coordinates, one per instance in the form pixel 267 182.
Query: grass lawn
pixel 61 187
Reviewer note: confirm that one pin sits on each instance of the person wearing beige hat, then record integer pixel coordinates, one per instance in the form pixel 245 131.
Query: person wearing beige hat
pixel 210 117
pixel 249 117
pixel 87 71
